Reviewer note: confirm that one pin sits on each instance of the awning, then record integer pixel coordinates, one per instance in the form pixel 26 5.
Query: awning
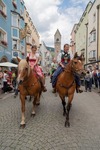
pixel 8 64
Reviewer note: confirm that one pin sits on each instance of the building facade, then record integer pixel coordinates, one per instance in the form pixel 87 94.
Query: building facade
pixel 94 32
pixel 33 36
pixel 11 21
pixel 81 33
pixel 45 57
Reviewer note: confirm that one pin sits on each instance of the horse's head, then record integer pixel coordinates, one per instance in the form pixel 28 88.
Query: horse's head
pixel 77 64
pixel 23 71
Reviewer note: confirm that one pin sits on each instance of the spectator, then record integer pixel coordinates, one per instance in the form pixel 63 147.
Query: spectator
pixel 95 77
pixel 88 81
pixel 5 76
pixel 99 79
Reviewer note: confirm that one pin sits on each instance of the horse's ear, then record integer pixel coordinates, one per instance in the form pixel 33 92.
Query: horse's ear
pixel 18 59
pixel 75 55
pixel 81 56
pixel 27 59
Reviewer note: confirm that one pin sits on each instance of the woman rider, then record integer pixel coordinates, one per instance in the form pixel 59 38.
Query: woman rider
pixel 33 58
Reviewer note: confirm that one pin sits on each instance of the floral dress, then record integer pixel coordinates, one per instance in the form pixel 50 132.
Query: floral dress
pixel 37 68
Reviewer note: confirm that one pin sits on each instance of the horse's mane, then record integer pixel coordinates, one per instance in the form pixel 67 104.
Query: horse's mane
pixel 24 64
pixel 68 65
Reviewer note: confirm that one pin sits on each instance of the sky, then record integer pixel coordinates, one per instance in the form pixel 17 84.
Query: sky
pixel 50 15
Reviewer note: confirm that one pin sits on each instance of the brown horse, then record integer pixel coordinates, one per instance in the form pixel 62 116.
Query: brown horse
pixel 28 85
pixel 66 85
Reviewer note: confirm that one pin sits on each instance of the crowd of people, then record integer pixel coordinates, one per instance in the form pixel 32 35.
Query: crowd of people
pixel 8 80
pixel 92 79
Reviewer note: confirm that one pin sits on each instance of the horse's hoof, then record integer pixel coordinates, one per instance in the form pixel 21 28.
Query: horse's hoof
pixel 22 126
pixel 37 104
pixel 32 115
pixel 67 124
pixel 14 96
pixel 64 113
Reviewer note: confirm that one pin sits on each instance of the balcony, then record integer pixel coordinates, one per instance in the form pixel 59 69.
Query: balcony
pixel 3 14
pixel 92 59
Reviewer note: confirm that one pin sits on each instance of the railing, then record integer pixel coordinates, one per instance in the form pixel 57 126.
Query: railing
pixel 91 63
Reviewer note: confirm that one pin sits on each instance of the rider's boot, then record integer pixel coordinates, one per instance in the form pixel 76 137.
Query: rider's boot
pixel 42 84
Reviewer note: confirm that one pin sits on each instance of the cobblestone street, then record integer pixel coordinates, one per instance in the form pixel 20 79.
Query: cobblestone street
pixel 46 130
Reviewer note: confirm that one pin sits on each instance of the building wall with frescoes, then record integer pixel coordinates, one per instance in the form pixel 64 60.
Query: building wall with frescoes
pixel 11 21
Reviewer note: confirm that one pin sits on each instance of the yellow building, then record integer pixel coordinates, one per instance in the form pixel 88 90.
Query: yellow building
pixel 81 33
pixel 33 35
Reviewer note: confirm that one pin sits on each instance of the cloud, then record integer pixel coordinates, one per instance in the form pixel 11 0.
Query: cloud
pixel 50 15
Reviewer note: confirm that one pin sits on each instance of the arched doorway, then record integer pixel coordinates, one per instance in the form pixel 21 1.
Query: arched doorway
pixel 4 59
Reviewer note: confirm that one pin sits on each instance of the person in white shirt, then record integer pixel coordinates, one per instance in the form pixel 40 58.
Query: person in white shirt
pixel 5 81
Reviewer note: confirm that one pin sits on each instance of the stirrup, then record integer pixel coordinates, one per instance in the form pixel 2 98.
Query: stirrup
pixel 44 89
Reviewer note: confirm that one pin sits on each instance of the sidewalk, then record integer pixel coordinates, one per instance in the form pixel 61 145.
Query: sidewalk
pixel 93 89
pixel 5 95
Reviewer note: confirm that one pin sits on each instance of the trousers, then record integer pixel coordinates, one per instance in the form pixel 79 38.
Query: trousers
pixel 57 73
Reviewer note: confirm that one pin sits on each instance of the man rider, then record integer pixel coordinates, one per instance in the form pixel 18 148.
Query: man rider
pixel 63 59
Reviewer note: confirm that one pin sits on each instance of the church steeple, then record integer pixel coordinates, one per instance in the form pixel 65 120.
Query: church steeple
pixel 57 42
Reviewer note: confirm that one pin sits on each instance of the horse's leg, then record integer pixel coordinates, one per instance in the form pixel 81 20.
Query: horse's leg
pixel 64 104
pixel 30 98
pixel 22 98
pixel 34 105
pixel 38 99
pixel 68 110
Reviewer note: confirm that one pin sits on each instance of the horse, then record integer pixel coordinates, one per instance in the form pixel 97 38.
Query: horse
pixel 66 85
pixel 28 84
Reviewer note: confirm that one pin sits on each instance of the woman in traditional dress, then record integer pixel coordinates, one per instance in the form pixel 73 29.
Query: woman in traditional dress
pixel 33 62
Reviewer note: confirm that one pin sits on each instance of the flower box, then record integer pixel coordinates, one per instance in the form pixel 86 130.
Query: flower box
pixel 14 4
pixel 23 53
pixel 3 14
pixel 4 43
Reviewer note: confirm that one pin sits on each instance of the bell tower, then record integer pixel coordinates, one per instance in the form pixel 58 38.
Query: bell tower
pixel 57 43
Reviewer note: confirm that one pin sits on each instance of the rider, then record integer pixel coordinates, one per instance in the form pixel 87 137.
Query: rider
pixel 63 59
pixel 53 67
pixel 33 62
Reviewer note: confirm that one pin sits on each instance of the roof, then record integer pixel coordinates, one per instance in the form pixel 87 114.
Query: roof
pixel 51 49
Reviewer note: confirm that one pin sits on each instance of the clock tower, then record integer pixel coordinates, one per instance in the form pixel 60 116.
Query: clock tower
pixel 57 43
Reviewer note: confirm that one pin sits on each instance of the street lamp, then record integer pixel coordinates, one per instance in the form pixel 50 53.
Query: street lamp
pixel 86 40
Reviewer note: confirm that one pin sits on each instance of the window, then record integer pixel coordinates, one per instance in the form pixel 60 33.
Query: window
pixel 27 39
pixel 15 54
pixel 15 33
pixel 22 49
pixel 14 2
pixel 93 36
pixel 57 40
pixel 3 37
pixel 15 44
pixel 92 54
pixel 3 9
pixel 94 17
pixel 22 2
pixel 15 20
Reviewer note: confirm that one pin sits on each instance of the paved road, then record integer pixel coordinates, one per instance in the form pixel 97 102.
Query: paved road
pixel 46 130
